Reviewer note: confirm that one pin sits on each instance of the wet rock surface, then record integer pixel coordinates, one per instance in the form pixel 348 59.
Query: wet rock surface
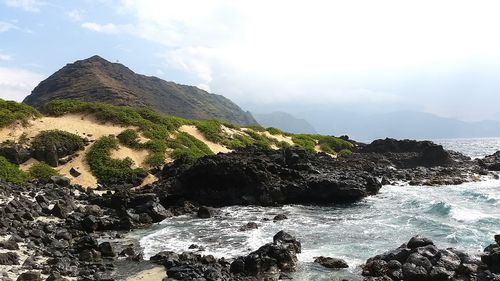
pixel 421 260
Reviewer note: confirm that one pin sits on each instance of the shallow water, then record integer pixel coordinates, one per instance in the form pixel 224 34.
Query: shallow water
pixel 465 217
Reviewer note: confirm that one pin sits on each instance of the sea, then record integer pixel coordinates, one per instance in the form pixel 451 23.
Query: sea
pixel 462 216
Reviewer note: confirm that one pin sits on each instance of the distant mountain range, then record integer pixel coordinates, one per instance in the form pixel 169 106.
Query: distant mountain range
pixel 285 122
pixel 401 124
pixel 96 79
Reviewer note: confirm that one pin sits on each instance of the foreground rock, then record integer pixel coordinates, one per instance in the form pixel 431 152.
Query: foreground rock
pixel 333 263
pixel 421 260
pixel 270 262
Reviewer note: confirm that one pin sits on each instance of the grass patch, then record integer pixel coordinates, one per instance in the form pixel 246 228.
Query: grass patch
pixel 108 170
pixel 188 147
pixel 11 172
pixel 11 111
pixel 42 170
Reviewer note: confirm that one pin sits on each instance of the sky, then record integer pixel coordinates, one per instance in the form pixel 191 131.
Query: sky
pixel 440 56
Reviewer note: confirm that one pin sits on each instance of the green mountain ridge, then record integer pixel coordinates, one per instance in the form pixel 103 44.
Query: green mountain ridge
pixel 98 80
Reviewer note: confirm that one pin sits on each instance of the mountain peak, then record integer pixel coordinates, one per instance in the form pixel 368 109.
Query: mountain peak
pixel 97 79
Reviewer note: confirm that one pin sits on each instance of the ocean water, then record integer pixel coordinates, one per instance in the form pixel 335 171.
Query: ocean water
pixel 464 216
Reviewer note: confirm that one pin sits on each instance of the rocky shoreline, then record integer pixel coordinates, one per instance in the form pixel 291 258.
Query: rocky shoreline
pixel 56 231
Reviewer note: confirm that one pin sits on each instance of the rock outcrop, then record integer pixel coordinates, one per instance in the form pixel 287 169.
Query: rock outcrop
pixel 267 177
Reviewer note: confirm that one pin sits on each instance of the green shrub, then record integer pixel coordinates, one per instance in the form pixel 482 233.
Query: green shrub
pixel 58 138
pixel 107 169
pixel 11 111
pixel 344 152
pixel 211 129
pixel 130 138
pixel 326 148
pixel 157 150
pixel 42 170
pixel 239 141
pixel 328 144
pixel 333 143
pixel 256 128
pixel 188 147
pixel 11 172
pixel 275 131
pixel 260 140
pixel 304 141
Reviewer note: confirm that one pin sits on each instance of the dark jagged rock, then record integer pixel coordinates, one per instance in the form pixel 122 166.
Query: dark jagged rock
pixel 29 276
pixel 331 262
pixel 206 212
pixel 59 180
pixel 15 153
pixel 420 260
pixel 415 153
pixel 96 79
pixel 268 177
pixel 249 226
pixel 271 258
pixel 74 172
pixel 280 217
pixel 419 241
pixel 9 258
pixel 491 162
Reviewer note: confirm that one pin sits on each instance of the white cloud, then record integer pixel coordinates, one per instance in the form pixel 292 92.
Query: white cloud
pixel 75 15
pixel 17 83
pixel 330 51
pixel 104 28
pixel 27 5
pixel 307 39
pixel 6 26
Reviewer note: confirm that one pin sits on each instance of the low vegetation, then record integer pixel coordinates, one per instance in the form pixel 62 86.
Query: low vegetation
pixel 42 170
pixel 108 170
pixel 11 172
pixel 328 144
pixel 188 147
pixel 11 112
pixel 57 138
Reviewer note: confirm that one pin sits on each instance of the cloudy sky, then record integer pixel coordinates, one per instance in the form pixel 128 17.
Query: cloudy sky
pixel 441 57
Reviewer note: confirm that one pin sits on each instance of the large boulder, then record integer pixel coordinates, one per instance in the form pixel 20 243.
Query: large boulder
pixel 268 177
pixel 270 259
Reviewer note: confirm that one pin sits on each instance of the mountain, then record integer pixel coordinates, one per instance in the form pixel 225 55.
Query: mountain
pixel 96 79
pixel 400 124
pixel 285 122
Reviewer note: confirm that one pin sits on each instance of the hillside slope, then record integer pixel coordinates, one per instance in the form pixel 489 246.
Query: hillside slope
pixel 98 80
pixel 135 140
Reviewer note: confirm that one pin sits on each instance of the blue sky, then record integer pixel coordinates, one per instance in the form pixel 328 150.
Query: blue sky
pixel 441 57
